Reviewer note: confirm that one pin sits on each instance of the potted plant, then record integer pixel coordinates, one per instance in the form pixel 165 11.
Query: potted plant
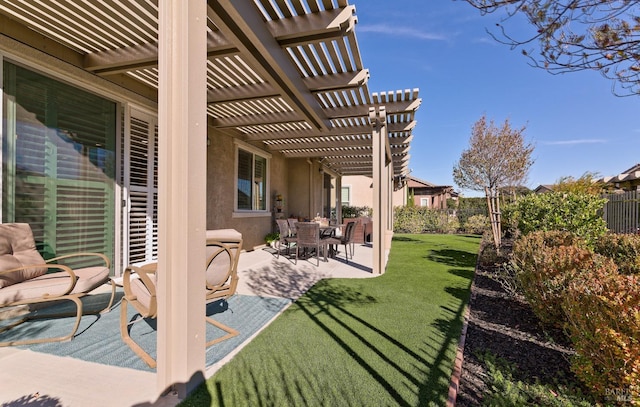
pixel 271 237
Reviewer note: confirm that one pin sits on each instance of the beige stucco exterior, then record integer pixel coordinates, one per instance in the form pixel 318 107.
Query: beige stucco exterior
pixel 299 181
pixel 361 191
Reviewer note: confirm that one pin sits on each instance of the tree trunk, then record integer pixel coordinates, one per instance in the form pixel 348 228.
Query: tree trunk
pixel 493 206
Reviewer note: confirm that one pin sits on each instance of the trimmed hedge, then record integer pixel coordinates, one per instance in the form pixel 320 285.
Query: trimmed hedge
pixel 421 219
pixel 580 214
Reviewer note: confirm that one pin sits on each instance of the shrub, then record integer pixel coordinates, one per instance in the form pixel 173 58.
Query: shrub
pixel 421 219
pixel 477 224
pixel 356 211
pixel 603 313
pixel 448 223
pixel 544 263
pixel 624 250
pixel 580 214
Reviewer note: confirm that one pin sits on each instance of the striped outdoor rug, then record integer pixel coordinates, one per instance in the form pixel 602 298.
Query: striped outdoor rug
pixel 98 337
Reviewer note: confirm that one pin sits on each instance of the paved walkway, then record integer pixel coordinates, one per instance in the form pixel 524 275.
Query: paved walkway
pixel 31 378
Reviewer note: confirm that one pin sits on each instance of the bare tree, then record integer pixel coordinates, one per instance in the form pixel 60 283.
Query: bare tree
pixel 575 35
pixel 497 157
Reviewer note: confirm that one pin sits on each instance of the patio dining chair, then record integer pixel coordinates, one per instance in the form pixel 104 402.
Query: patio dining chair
pixel 27 279
pixel 292 226
pixel 139 283
pixel 308 237
pixel 346 239
pixel 285 236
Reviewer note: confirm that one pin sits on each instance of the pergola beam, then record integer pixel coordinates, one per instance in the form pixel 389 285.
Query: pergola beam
pixel 408 106
pixel 146 56
pixel 257 119
pixel 357 130
pixel 246 30
pixel 323 26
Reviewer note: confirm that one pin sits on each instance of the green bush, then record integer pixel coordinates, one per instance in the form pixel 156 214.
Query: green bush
pixel 356 211
pixel 624 250
pixel 421 219
pixel 544 264
pixel 477 224
pixel 603 313
pixel 580 214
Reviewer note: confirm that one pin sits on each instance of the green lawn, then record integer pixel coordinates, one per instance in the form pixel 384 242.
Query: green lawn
pixel 385 341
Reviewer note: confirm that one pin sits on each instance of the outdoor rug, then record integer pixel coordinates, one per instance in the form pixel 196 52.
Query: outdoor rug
pixel 98 337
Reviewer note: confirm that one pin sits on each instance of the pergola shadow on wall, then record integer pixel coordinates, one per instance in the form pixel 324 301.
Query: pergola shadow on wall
pixel 285 75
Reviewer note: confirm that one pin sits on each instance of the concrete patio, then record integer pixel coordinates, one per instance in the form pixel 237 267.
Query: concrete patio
pixel 33 378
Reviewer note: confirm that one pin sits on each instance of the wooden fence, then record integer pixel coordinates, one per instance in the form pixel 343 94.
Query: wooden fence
pixel 622 211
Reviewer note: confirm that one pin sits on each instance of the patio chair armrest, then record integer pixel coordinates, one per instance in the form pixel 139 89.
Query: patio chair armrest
pixel 83 254
pixel 143 274
pixel 62 269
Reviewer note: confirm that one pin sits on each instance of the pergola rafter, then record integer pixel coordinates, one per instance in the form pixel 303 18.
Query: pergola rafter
pixel 288 74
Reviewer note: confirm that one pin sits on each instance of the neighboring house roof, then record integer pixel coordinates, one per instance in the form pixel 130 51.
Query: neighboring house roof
pixel 413 182
pixel 417 183
pixel 542 188
pixel 631 174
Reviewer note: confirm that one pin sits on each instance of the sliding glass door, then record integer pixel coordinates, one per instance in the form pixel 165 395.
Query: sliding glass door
pixel 58 163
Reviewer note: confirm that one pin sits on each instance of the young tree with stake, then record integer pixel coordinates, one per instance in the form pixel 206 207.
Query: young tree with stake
pixel 497 157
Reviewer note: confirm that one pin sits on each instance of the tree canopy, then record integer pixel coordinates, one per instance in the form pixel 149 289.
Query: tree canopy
pixel 497 157
pixel 574 35
pixel 587 184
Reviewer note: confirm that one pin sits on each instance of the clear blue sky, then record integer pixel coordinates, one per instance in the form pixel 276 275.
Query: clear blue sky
pixel 441 47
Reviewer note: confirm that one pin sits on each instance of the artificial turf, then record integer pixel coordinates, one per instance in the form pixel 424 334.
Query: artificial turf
pixel 385 341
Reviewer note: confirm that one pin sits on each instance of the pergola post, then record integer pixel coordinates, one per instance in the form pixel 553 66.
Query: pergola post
pixel 338 199
pixel 381 159
pixel 182 134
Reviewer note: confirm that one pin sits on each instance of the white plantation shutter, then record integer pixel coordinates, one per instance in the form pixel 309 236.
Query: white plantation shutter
pixel 143 189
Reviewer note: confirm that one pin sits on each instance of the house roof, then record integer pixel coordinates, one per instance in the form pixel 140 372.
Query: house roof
pixel 413 182
pixel 630 174
pixel 542 188
pixel 285 74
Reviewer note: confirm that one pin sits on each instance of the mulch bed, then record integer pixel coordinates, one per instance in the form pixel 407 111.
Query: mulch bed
pixel 505 326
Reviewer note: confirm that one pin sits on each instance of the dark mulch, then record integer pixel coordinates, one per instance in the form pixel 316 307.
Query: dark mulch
pixel 505 326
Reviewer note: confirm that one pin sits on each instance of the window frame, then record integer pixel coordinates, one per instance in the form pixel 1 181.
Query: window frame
pixel 349 189
pixel 244 213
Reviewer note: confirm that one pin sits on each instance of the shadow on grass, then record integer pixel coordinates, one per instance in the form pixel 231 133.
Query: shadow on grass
pixel 403 372
pixel 454 258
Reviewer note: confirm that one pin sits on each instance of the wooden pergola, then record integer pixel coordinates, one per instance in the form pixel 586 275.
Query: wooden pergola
pixel 288 74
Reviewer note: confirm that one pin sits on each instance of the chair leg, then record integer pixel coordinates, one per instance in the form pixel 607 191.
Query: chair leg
pixel 113 296
pixel 230 331
pixel 74 298
pixel 126 338
pixel 346 252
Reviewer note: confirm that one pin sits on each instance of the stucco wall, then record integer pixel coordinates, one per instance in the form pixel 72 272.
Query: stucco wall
pixel 362 191
pixel 221 187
